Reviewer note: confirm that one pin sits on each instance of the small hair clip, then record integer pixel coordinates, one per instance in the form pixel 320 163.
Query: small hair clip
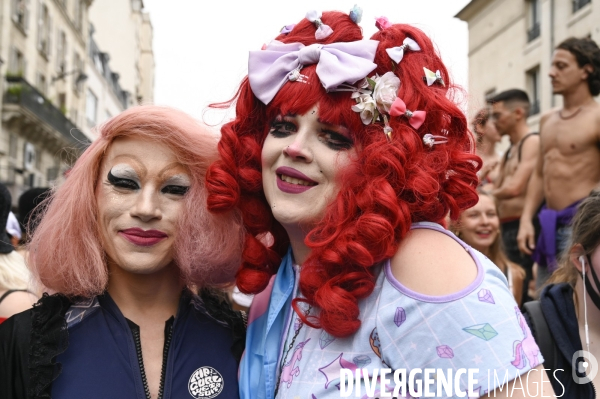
pixel 296 76
pixel 382 23
pixel 432 77
pixel 415 118
pixel 429 139
pixel 387 129
pixel 356 14
pixel 287 29
pixel 323 31
pixel 397 53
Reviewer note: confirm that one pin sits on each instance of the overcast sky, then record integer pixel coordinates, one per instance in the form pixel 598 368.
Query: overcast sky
pixel 201 46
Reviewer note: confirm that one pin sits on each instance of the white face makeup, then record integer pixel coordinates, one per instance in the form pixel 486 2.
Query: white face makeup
pixel 301 158
pixel 140 195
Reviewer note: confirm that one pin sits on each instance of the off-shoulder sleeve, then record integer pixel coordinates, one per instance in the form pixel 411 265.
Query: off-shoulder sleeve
pixel 480 327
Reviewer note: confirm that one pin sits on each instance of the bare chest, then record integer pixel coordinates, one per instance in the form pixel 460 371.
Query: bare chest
pixel 569 137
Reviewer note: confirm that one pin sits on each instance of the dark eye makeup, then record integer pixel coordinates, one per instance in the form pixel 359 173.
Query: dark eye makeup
pixel 175 190
pixel 120 182
pixel 129 184
pixel 284 126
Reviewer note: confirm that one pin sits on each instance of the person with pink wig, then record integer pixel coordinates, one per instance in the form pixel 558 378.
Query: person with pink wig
pixel 132 258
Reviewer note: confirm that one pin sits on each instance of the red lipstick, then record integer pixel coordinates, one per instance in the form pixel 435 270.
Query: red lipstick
pixel 292 188
pixel 143 238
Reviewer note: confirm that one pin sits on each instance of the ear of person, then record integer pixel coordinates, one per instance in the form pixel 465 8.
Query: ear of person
pixel 576 253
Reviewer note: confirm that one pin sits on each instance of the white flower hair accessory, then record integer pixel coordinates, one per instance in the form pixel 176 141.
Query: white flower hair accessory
pixel 377 98
pixel 374 98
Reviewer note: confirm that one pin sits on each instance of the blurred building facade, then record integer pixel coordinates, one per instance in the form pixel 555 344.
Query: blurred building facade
pixel 511 44
pixel 56 84
pixel 131 55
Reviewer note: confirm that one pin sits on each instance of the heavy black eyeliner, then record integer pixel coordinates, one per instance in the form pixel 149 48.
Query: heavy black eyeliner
pixel 120 182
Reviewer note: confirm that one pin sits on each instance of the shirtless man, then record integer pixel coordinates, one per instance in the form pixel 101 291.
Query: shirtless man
pixel 510 110
pixel 487 136
pixel 569 166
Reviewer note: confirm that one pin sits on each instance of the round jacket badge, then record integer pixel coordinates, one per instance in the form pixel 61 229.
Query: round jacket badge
pixel 205 383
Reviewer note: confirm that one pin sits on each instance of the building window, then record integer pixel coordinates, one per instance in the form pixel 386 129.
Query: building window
pixel 17 63
pixel 77 65
pixel 20 13
pixel 52 174
pixel 73 116
pixel 41 83
pixel 61 52
pixel 534 20
pixel 577 4
pixel 62 103
pixel 533 87
pixel 91 108
pixel 44 31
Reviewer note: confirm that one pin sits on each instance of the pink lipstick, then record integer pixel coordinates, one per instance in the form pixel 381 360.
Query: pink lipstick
pixel 292 188
pixel 143 238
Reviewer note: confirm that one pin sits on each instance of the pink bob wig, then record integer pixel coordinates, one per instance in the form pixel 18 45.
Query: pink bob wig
pixel 389 185
pixel 66 253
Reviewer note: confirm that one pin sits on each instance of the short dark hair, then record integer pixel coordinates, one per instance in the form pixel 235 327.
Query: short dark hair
pixel 510 96
pixel 586 52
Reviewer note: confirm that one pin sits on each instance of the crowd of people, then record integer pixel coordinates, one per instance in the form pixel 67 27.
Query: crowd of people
pixel 327 198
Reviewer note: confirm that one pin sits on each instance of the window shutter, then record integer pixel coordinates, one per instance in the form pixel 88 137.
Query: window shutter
pixel 40 33
pixel 25 14
pixel 64 55
pixel 49 34
pixel 13 6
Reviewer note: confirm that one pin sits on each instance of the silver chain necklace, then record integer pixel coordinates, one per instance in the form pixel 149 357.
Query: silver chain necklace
pixel 289 348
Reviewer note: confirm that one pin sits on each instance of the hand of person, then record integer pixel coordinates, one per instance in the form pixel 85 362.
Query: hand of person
pixel 526 237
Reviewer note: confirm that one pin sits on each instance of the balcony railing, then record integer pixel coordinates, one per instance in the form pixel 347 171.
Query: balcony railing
pixel 20 92
pixel 533 32
pixel 577 4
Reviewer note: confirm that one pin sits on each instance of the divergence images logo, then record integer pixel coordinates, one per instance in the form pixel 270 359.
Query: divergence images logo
pixel 587 368
pixel 205 383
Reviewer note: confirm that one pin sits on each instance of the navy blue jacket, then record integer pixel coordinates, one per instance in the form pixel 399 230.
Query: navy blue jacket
pixel 559 311
pixel 97 355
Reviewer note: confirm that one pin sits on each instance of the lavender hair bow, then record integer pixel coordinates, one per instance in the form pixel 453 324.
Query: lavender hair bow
pixel 337 63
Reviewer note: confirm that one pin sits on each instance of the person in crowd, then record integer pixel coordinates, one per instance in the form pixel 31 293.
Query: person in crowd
pixel 487 137
pixel 29 213
pixel 15 290
pixel 344 156
pixel 570 307
pixel 479 226
pixel 568 167
pixel 13 229
pixel 127 244
pixel 510 110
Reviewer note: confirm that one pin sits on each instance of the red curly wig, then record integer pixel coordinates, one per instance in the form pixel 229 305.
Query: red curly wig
pixel 390 185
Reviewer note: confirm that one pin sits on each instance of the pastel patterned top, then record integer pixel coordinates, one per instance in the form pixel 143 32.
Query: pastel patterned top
pixel 479 327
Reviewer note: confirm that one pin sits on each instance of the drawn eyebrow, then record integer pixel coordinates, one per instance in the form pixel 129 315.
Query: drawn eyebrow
pixel 124 171
pixel 179 180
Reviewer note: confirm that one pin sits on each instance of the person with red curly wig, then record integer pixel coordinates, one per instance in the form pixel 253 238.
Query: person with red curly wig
pixel 130 253
pixel 344 157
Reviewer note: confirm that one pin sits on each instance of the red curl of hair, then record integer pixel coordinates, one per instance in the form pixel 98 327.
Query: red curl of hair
pixel 389 185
